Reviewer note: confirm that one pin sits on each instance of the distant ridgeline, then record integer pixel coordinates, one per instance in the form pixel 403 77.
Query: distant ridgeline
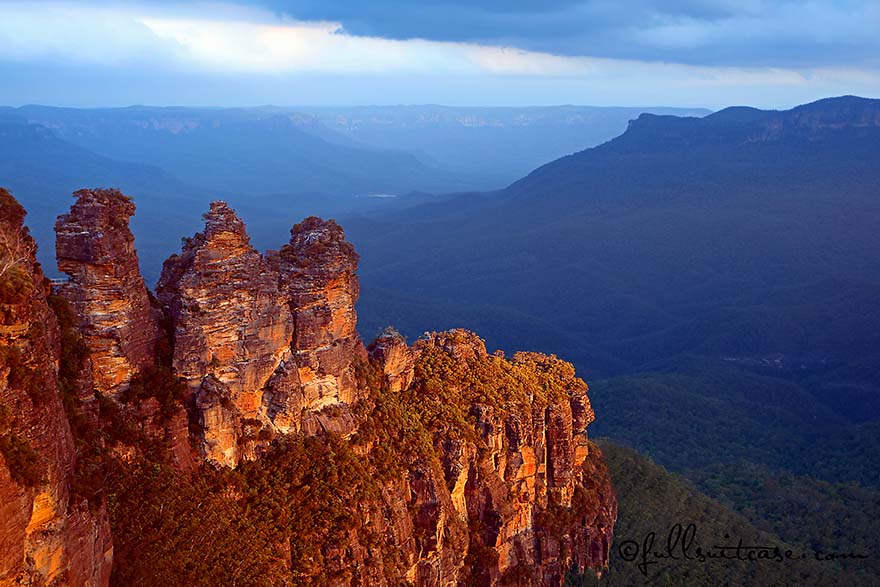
pixel 231 428
pixel 743 235
pixel 716 278
pixel 699 269
pixel 278 165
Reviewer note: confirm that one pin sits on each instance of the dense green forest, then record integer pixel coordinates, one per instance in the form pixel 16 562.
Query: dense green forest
pixel 652 499
pixel 714 281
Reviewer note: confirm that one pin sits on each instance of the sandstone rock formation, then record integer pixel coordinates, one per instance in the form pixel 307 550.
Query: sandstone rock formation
pixel 520 483
pixel 95 247
pixel 317 275
pixel 113 311
pixel 266 346
pixel 437 464
pixel 46 535
pixel 397 360
pixel 231 329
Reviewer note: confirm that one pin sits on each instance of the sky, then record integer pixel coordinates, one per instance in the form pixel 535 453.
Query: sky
pixel 709 53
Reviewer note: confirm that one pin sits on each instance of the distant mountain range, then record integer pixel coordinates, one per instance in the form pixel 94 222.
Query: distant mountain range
pixel 46 170
pixel 358 150
pixel 488 146
pixel 741 235
pixel 277 165
pixel 240 150
pixel 716 281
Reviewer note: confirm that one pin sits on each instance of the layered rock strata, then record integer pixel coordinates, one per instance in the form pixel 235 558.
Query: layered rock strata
pixel 231 329
pixel 47 537
pixel 95 247
pixel 266 346
pixel 317 276
pixel 519 484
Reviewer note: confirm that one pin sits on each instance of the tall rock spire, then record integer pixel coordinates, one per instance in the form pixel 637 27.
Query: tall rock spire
pixel 232 330
pixel 265 345
pixel 95 247
pixel 317 272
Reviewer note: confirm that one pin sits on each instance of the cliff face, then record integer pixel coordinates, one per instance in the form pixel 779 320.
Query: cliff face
pixel 95 247
pixel 517 474
pixel 316 272
pixel 47 536
pixel 434 463
pixel 231 331
pixel 266 346
pixel 118 322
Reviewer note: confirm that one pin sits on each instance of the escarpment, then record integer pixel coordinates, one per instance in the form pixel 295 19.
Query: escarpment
pixel 510 435
pixel 48 535
pixel 244 434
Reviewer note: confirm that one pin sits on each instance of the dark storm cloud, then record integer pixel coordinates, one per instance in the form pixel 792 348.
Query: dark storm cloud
pixel 798 33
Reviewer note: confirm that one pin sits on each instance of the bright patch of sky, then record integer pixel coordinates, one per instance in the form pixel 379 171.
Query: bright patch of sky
pixel 111 54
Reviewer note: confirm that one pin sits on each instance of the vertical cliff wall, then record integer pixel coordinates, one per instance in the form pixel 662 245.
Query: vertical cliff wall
pixel 95 247
pixel 47 536
pixel 510 435
pixel 266 346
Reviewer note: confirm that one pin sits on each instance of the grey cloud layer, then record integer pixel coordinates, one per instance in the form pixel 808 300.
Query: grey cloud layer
pixel 785 33
pixel 236 52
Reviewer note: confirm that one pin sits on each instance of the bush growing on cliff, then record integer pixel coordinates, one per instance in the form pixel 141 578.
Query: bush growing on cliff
pixel 291 507
pixel 445 387
pixel 15 285
pixel 157 382
pixel 74 354
pixel 21 459
pixel 24 376
pixel 16 250
pixel 5 419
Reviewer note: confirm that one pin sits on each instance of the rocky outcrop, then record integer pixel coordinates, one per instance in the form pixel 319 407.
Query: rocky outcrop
pixel 118 321
pixel 317 276
pixel 396 359
pixel 266 346
pixel 231 330
pixel 518 480
pixel 437 464
pixel 47 536
pixel 95 247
